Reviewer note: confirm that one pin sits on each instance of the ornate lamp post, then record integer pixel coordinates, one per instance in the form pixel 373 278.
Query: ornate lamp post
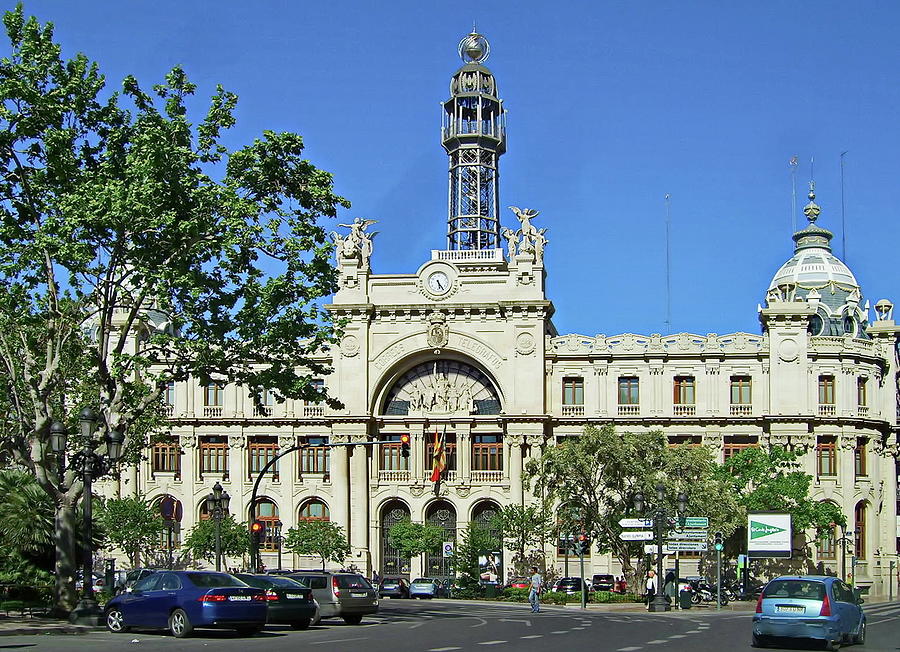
pixel 217 504
pixel 90 464
pixel 661 518
pixel 846 537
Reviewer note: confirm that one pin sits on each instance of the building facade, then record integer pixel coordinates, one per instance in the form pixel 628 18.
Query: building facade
pixel 465 348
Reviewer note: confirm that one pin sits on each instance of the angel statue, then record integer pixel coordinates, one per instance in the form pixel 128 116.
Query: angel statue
pixel 525 215
pixel 357 243
pixel 511 241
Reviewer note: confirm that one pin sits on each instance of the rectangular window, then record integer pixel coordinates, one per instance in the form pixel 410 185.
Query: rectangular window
pixel 487 453
pixel 166 457
pixel 628 391
pixel 859 459
pixel 214 456
pixel 826 456
pixel 826 390
pixel 826 548
pixel 740 390
pixel 168 394
pixel 391 455
pixel 859 519
pixel 683 390
pixel 213 395
pixel 573 391
pixel 694 441
pixel 318 384
pixel 861 397
pixel 735 444
pixel 260 451
pixel 449 452
pixel 314 458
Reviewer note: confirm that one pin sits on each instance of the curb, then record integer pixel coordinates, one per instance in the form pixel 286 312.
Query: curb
pixel 45 629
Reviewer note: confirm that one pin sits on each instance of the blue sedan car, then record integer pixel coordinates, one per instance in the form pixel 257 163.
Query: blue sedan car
pixel 182 600
pixel 809 606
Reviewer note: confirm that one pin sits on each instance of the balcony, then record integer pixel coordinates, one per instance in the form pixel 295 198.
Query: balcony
pixel 741 409
pixel 685 409
pixel 212 411
pixel 862 410
pixel 262 411
pixel 629 410
pixel 393 476
pixel 468 255
pixel 312 411
pixel 573 410
pixel 446 476
pixel 169 410
pixel 826 409
pixel 487 476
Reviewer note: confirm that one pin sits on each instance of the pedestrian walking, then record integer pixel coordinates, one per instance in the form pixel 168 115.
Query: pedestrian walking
pixel 652 587
pixel 534 594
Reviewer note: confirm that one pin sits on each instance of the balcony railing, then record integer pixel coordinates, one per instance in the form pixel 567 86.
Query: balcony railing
pixel 468 255
pixel 685 409
pixel 573 410
pixel 826 409
pixel 212 411
pixel 741 409
pixel 393 476
pixel 262 411
pixel 447 476
pixel 487 476
pixel 310 411
pixel 862 410
pixel 629 410
pixel 169 410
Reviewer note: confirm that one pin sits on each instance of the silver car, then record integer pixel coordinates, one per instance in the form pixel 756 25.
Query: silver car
pixel 349 596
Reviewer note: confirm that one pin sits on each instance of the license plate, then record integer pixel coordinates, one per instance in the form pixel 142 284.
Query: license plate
pixel 293 596
pixel 240 598
pixel 789 609
pixel 359 595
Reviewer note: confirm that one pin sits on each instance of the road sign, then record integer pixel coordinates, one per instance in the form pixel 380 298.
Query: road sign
pixel 448 548
pixel 636 522
pixel 686 545
pixel 640 535
pixel 695 521
pixel 652 549
pixel 689 534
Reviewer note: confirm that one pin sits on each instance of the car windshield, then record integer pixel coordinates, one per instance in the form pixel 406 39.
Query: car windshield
pixel 213 580
pixel 286 582
pixel 797 589
pixel 352 582
pixel 258 582
pixel 423 580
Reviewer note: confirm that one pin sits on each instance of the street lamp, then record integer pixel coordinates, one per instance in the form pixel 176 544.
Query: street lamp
pixel 217 505
pixel 90 464
pixel 661 517
pixel 845 538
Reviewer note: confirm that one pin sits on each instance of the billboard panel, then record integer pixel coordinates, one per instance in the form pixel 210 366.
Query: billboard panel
pixel 769 535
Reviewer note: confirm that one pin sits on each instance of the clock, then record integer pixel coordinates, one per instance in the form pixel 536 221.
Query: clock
pixel 438 282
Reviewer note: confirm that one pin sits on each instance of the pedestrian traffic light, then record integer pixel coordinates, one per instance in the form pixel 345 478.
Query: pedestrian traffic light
pixel 404 445
pixel 583 545
pixel 256 530
pixel 719 541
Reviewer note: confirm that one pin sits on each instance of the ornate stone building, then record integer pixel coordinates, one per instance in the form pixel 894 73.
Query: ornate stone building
pixel 465 346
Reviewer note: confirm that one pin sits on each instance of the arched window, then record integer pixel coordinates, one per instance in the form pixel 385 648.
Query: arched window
pixel 267 512
pixel 483 517
pixel 442 514
pixel 826 547
pixel 313 510
pixel 171 510
pixel 393 562
pixel 859 530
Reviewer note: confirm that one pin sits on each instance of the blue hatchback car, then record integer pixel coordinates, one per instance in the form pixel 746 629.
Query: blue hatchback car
pixel 182 600
pixel 809 606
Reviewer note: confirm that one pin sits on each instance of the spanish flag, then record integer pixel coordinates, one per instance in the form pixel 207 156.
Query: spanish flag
pixel 438 458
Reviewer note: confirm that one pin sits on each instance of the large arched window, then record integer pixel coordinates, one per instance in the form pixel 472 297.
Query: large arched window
pixel 443 387
pixel 483 516
pixel 826 547
pixel 313 510
pixel 393 562
pixel 859 530
pixel 442 514
pixel 267 512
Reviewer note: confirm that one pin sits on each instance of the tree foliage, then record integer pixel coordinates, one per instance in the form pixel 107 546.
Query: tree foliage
pixel 473 542
pixel 201 540
pixel 135 250
pixel 413 539
pixel 321 538
pixel 522 528
pixel 593 479
pixel 132 525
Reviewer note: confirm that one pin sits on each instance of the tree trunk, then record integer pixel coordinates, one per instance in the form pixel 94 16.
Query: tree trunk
pixel 66 596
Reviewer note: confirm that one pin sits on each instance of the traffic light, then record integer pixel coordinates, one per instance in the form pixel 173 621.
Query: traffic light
pixel 256 531
pixel 583 544
pixel 404 445
pixel 719 541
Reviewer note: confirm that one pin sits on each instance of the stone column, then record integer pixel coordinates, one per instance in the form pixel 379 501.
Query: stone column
pixel 417 457
pixel 359 504
pixel 464 452
pixel 340 483
pixel 515 467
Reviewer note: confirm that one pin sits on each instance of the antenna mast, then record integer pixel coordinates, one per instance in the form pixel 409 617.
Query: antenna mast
pixel 793 163
pixel 668 271
pixel 843 225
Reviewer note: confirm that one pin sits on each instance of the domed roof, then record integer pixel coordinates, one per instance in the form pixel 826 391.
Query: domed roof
pixel 814 268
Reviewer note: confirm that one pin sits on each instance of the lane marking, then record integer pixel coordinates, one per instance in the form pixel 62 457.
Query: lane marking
pixel 657 641
pixel 443 649
pixel 533 636
pixel 561 631
pixel 575 629
pixel 678 636
pixel 339 640
pixel 693 631
pixel 629 649
pixel 883 620
pixel 492 642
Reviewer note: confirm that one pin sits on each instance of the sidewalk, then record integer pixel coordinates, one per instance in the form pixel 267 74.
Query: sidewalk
pixel 17 626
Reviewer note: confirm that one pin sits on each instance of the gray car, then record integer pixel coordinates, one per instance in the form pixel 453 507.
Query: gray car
pixel 349 596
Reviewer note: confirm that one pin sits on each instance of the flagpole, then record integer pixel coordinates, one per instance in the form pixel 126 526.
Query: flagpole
pixel 793 163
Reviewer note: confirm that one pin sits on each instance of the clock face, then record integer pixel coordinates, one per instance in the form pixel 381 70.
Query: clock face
pixel 438 282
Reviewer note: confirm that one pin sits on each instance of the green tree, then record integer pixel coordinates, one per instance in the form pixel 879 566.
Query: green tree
pixel 473 542
pixel 135 250
pixel 322 538
pixel 131 524
pixel 201 540
pixel 594 478
pixel 522 528
pixel 414 539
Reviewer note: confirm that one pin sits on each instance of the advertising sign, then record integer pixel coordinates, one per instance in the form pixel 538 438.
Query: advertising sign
pixel 491 566
pixel 448 548
pixel 769 535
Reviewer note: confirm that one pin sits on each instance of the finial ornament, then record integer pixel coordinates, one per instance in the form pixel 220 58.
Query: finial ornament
pixel 812 210
pixel 474 48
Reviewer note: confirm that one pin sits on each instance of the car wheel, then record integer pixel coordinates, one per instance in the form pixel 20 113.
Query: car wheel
pixel 180 624
pixel 832 646
pixel 115 621
pixel 758 641
pixel 354 619
pixel 301 624
pixel 249 631
pixel 860 637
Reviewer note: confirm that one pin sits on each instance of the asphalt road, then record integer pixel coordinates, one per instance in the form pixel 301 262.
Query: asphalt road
pixel 447 626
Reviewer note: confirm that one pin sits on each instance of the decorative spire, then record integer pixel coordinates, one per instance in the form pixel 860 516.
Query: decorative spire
pixel 812 210
pixel 474 48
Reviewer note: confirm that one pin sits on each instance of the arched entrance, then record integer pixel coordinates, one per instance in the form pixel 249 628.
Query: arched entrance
pixel 393 563
pixel 442 514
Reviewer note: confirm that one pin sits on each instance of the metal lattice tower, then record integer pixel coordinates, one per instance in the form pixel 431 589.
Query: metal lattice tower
pixel 474 136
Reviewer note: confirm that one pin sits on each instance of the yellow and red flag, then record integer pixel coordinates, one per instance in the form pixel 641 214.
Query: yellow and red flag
pixel 438 458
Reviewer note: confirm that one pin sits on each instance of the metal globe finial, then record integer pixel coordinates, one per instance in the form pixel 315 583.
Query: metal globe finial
pixel 474 48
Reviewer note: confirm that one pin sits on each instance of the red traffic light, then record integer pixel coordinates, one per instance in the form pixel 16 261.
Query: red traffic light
pixel 582 537
pixel 256 527
pixel 404 439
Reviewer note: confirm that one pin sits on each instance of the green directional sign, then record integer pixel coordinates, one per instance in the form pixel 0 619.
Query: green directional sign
pixel 695 521
pixel 758 529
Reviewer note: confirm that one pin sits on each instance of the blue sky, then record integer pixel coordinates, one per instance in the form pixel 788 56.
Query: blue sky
pixel 611 106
